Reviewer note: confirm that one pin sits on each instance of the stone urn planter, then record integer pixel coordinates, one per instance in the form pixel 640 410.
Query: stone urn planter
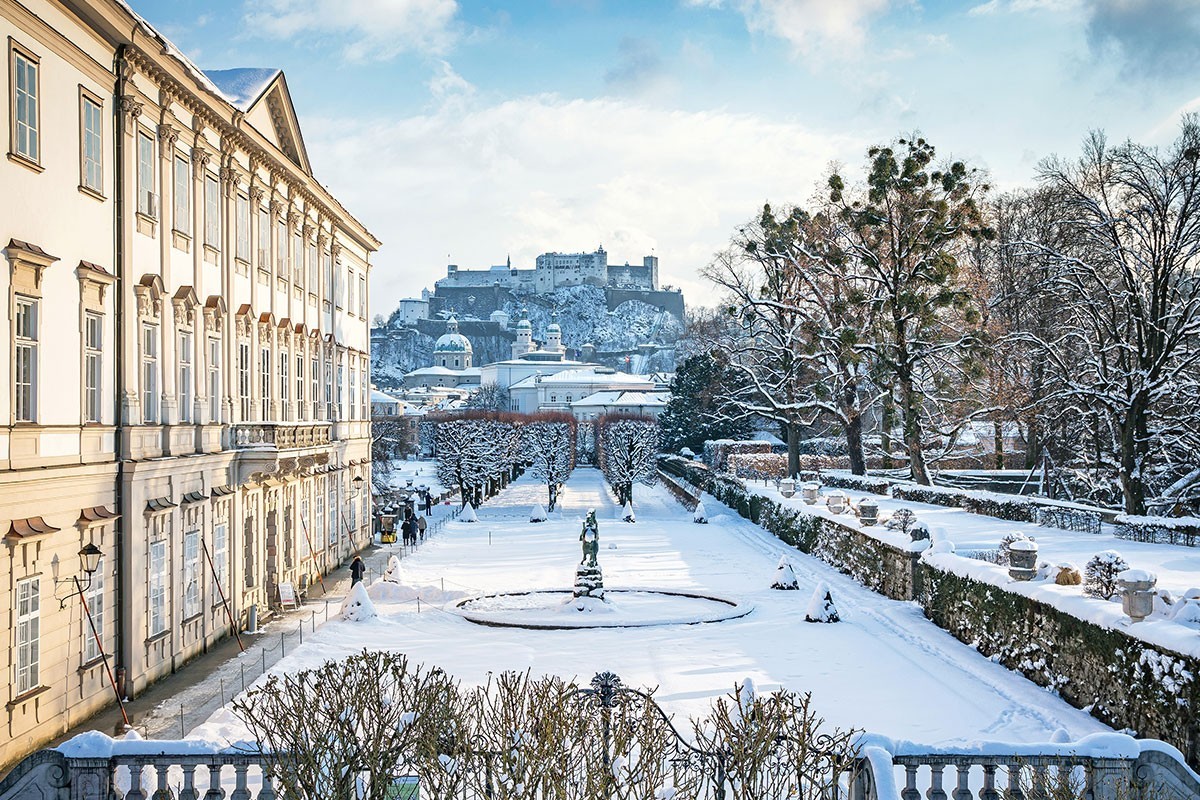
pixel 1137 593
pixel 787 487
pixel 1022 560
pixel 837 502
pixel 809 492
pixel 868 512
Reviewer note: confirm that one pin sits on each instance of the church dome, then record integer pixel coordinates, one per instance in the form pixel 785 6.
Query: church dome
pixel 452 341
pixel 524 323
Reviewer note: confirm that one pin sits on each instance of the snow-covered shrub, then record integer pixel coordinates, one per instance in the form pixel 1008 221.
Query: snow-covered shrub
pixel 627 452
pixel 1100 574
pixel 627 514
pixel 1162 530
pixel 392 573
pixel 717 451
pixel 785 578
pixel 468 514
pixel 821 607
pixel 699 514
pixel 357 607
pixel 858 483
pixel 1006 545
pixel 1069 519
pixel 1188 613
pixel 758 466
pixel 822 446
pixel 934 495
pixel 901 520
pixel 1009 507
pixel 537 513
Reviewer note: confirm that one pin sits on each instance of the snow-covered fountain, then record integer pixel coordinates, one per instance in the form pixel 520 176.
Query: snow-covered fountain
pixel 588 604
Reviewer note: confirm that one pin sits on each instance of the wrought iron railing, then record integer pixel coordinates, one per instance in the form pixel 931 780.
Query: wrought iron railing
pixel 618 744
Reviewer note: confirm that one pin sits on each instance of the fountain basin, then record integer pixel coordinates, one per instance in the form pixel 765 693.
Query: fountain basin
pixel 551 609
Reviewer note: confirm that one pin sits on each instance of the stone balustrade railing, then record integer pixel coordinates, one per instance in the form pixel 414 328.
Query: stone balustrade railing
pixel 281 435
pixel 1101 767
pixel 1098 767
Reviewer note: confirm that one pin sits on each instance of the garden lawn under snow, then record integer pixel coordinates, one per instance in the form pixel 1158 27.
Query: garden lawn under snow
pixel 883 667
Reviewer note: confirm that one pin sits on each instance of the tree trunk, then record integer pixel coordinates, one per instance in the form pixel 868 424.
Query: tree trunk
pixel 552 489
pixel 1134 446
pixel 998 443
pixel 886 422
pixel 854 445
pixel 793 446
pixel 910 408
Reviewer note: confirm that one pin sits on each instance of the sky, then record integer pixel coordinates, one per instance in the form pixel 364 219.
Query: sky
pixel 470 132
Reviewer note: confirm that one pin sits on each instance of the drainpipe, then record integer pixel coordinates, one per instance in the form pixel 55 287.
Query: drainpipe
pixel 123 522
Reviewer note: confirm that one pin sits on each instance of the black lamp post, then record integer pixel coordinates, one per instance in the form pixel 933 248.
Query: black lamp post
pixel 89 562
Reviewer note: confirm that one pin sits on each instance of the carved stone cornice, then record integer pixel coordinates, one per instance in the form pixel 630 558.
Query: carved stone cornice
pixel 184 302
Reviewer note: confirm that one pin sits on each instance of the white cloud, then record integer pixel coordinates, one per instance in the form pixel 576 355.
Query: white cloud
pixel 542 173
pixel 835 28
pixel 371 29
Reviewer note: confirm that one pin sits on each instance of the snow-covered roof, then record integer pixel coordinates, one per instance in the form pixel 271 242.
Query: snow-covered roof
pixel 439 371
pixel 242 86
pixel 452 343
pixel 382 397
pixel 591 375
pixel 614 398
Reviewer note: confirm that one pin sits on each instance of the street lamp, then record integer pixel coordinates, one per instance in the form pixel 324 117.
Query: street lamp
pixel 89 562
pixel 358 482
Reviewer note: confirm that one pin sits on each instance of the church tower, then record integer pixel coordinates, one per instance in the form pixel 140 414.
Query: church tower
pixel 524 342
pixel 554 335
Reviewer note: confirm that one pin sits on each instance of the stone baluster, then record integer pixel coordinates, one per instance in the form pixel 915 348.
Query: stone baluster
pixel 935 790
pixel 910 783
pixel 240 791
pixel 267 792
pixel 135 782
pixel 215 792
pixel 188 792
pixel 988 790
pixel 163 792
pixel 963 790
pixel 1014 781
pixel 1039 780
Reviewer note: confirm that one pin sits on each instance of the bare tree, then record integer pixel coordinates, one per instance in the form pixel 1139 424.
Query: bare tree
pixel 627 449
pixel 548 446
pixel 1123 276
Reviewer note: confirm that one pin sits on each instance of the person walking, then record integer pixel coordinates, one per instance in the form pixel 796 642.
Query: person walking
pixel 357 569
pixel 421 526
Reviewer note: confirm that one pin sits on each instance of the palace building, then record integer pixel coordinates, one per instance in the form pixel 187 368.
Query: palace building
pixel 187 424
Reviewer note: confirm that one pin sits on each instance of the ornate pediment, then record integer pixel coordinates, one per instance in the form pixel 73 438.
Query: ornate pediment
pixel 149 292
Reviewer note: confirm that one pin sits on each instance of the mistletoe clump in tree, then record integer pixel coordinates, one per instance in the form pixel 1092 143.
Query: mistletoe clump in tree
pixel 904 238
pixel 547 441
pixel 627 449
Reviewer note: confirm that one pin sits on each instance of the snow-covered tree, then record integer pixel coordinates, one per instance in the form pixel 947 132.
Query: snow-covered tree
pixel 547 443
pixel 489 397
pixel 904 234
pixel 1100 574
pixel 821 607
pixel 627 449
pixel 785 576
pixel 1122 278
pixel 474 448
pixel 700 407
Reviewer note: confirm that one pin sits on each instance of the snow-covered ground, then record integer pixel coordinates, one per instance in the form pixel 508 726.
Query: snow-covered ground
pixel 421 473
pixel 884 667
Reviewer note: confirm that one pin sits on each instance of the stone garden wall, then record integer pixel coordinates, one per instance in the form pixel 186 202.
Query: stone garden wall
pixel 1121 680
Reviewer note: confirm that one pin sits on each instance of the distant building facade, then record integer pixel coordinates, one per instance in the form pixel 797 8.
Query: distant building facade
pixel 554 270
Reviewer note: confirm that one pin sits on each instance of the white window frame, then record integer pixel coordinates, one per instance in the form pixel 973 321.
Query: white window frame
pixel 28 635
pixel 94 595
pixel 157 620
pixel 147 200
pixel 245 379
pixel 362 295
pixel 350 292
pixel 350 399
pixel 25 111
pixel 264 239
pixel 285 386
pixel 334 528
pixel 242 250
pixel 314 277
pixel 212 211
pixel 298 258
pixel 182 191
pixel 150 381
pixel 93 366
pixel 301 404
pixel 281 245
pixel 26 362
pixel 186 360
pixel 191 574
pixel 91 141
pixel 265 361
pixel 220 562
pixel 214 379
pixel 315 381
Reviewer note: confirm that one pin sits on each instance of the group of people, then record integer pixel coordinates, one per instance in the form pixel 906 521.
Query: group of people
pixel 413 527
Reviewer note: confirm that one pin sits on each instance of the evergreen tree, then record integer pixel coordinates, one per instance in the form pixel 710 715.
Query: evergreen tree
pixel 700 408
